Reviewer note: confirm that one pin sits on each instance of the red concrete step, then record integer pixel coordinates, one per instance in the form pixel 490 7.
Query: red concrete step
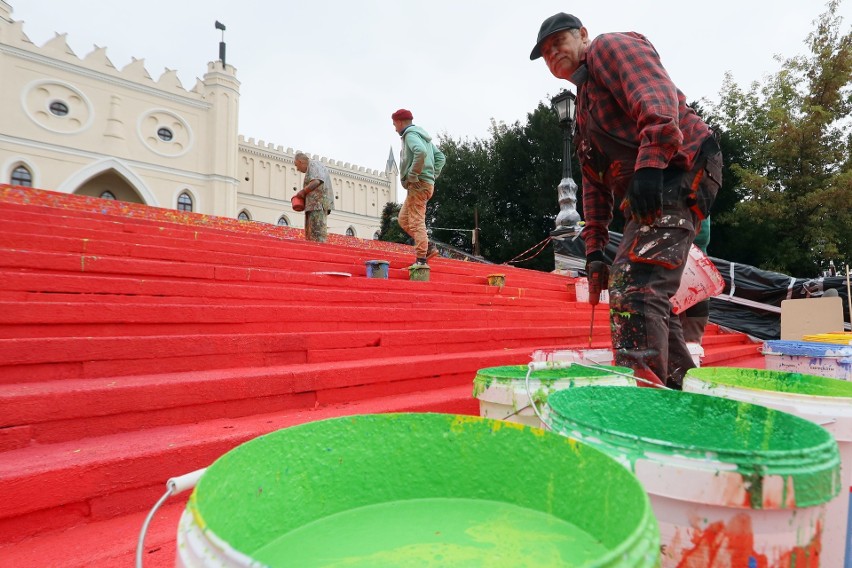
pixel 95 406
pixel 256 286
pixel 72 483
pixel 74 263
pixel 191 238
pixel 109 542
pixel 39 359
pixel 20 320
pixel 727 354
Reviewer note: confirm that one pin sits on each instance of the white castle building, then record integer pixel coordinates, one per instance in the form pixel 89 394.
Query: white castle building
pixel 81 125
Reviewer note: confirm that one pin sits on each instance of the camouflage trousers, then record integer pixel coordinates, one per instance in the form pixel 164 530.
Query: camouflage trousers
pixel 316 226
pixel 412 215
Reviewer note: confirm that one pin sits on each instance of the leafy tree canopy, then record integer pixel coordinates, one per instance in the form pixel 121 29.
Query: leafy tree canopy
pixel 787 146
pixel 510 181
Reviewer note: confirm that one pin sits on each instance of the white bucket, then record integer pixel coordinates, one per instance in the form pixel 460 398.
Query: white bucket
pixel 776 389
pixel 700 280
pixel 581 288
pixel 732 484
pixel 587 356
pixel 810 358
pixel 696 351
pixel 503 394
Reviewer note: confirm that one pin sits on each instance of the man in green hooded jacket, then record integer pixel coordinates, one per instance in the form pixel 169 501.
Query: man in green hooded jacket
pixel 421 163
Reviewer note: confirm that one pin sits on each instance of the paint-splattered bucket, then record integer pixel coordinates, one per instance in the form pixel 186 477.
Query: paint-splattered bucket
pixel 419 273
pixel 824 359
pixel 496 279
pixel 700 280
pixel 503 394
pixel 697 352
pixel 825 401
pixel 588 356
pixel 740 483
pixel 417 490
pixel 377 268
pixel 581 289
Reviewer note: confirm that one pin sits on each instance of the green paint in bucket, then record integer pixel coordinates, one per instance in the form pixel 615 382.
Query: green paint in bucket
pixel 417 490
pixel 720 473
pixel 777 381
pixel 503 395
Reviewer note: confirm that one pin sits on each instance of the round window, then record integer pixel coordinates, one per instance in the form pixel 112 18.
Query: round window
pixel 165 134
pixel 58 108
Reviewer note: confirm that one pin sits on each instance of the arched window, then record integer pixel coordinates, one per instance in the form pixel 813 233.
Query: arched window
pixel 376 236
pixel 283 221
pixel 184 202
pixel 350 232
pixel 244 216
pixel 22 176
pixel 107 195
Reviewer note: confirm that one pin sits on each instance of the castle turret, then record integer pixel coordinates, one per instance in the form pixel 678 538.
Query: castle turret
pixel 222 90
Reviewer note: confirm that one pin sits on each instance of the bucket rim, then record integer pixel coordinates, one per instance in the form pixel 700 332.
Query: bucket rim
pixel 701 375
pixel 501 373
pixel 642 527
pixel 814 461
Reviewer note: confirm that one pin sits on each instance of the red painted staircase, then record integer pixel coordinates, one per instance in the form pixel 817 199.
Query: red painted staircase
pixel 139 343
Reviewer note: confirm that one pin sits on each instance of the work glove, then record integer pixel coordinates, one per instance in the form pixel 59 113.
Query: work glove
pixel 597 271
pixel 646 195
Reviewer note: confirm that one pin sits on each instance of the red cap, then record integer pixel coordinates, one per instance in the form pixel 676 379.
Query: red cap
pixel 402 114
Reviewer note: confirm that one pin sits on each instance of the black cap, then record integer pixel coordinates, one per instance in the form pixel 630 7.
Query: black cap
pixel 551 25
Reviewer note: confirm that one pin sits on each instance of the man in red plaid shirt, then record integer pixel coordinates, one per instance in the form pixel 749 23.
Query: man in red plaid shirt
pixel 641 148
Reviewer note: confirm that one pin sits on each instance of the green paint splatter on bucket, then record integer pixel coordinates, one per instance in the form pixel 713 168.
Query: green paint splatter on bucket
pixel 778 381
pixel 633 423
pixel 509 375
pixel 374 490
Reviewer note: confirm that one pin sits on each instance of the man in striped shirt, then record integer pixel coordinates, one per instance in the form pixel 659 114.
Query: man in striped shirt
pixel 641 148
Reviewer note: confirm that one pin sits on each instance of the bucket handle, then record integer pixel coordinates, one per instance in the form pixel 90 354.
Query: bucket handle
pixel 174 486
pixel 541 365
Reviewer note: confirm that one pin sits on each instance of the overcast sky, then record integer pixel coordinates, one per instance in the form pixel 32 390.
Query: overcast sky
pixel 324 76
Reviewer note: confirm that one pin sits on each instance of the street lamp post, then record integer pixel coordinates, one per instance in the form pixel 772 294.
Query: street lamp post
pixel 567 221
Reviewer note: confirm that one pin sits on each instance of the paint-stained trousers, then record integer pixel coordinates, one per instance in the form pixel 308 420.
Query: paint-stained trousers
pixel 316 225
pixel 412 215
pixel 646 334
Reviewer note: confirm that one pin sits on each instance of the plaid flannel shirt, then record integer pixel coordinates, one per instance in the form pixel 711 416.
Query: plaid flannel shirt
pixel 624 89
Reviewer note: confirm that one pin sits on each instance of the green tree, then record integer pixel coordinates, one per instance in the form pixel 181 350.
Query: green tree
pixel 389 230
pixel 787 146
pixel 510 180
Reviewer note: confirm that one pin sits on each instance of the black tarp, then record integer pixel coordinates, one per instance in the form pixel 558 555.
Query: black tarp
pixel 749 284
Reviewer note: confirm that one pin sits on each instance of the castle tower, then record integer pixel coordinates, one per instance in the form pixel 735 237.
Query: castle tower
pixel 222 90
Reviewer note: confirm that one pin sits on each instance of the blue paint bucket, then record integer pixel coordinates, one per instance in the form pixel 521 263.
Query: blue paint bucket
pixel 377 268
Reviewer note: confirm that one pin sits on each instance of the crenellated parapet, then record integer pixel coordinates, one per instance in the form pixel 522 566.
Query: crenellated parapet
pixel 56 51
pixel 272 151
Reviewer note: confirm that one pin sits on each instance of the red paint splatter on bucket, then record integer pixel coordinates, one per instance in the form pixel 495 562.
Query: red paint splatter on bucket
pixel 732 546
